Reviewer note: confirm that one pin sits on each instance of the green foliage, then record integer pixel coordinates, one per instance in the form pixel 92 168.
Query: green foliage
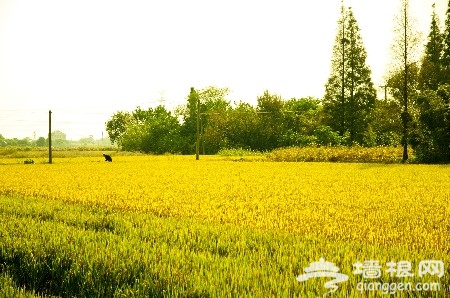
pixel 117 125
pixel 213 107
pixel 241 128
pixel 41 142
pixel 274 122
pixel 325 136
pixel 25 142
pixel 431 72
pixel 445 58
pixel 403 78
pixel 337 154
pixel 432 136
pixel 152 131
pixel 270 120
pixel 238 152
pixel 349 92
pixel 294 138
pixel 386 123
pixel 302 116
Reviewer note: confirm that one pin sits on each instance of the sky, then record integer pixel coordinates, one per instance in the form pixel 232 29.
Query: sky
pixel 86 59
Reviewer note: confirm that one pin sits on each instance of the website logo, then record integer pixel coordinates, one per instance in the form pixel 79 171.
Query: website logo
pixel 324 269
pixel 371 271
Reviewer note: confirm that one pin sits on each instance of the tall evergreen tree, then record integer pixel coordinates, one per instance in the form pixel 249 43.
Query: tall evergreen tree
pixel 445 59
pixel 403 77
pixel 349 92
pixel 431 74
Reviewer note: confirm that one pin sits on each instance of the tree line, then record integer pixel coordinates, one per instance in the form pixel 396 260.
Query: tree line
pixel 416 113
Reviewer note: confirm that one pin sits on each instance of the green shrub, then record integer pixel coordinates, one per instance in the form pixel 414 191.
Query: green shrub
pixel 338 154
pixel 238 152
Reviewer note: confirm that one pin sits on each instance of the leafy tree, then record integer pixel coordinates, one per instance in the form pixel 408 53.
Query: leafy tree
pixel 301 119
pixel 214 134
pixel 387 129
pixel 349 92
pixel 133 137
pixel 432 139
pixel 188 115
pixel 163 134
pixel 325 136
pixel 41 142
pixel 2 141
pixel 213 108
pixel 117 125
pixel 24 142
pixel 270 115
pixel 152 131
pixel 212 101
pixel 241 128
pixel 431 74
pixel 87 141
pixel 405 55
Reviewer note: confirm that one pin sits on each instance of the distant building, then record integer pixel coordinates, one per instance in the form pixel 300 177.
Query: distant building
pixel 58 135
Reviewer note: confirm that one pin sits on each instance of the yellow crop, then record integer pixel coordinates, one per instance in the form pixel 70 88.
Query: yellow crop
pixel 396 207
pixel 380 204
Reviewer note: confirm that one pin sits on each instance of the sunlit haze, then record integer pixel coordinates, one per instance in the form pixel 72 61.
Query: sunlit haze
pixel 85 60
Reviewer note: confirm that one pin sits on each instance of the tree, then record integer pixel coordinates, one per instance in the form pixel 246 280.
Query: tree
pixel 301 119
pixel 213 108
pixel 387 129
pixel 445 58
pixel 163 132
pixel 431 74
pixel 152 131
pixel 242 127
pixel 117 125
pixel 349 92
pixel 405 53
pixel 2 141
pixel 432 141
pixel 212 101
pixel 188 115
pixel 41 142
pixel 270 115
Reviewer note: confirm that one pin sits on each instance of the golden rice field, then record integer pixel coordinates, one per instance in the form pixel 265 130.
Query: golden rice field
pixel 171 226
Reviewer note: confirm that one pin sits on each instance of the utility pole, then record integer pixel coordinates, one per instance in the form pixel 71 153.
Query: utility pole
pixel 195 99
pixel 49 136
pixel 385 91
pixel 197 146
pixel 201 136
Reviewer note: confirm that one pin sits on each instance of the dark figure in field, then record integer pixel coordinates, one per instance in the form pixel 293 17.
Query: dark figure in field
pixel 107 157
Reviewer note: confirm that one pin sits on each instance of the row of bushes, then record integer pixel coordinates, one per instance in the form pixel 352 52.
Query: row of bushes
pixel 339 154
pixel 323 154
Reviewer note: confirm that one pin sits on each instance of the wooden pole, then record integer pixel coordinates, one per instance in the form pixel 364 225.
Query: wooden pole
pixel 385 91
pixel 197 145
pixel 49 136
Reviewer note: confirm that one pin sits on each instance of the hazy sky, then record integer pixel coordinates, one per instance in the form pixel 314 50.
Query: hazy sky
pixel 85 60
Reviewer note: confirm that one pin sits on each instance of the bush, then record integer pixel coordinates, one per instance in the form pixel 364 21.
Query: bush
pixel 238 152
pixel 338 154
pixel 431 139
pixel 325 136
